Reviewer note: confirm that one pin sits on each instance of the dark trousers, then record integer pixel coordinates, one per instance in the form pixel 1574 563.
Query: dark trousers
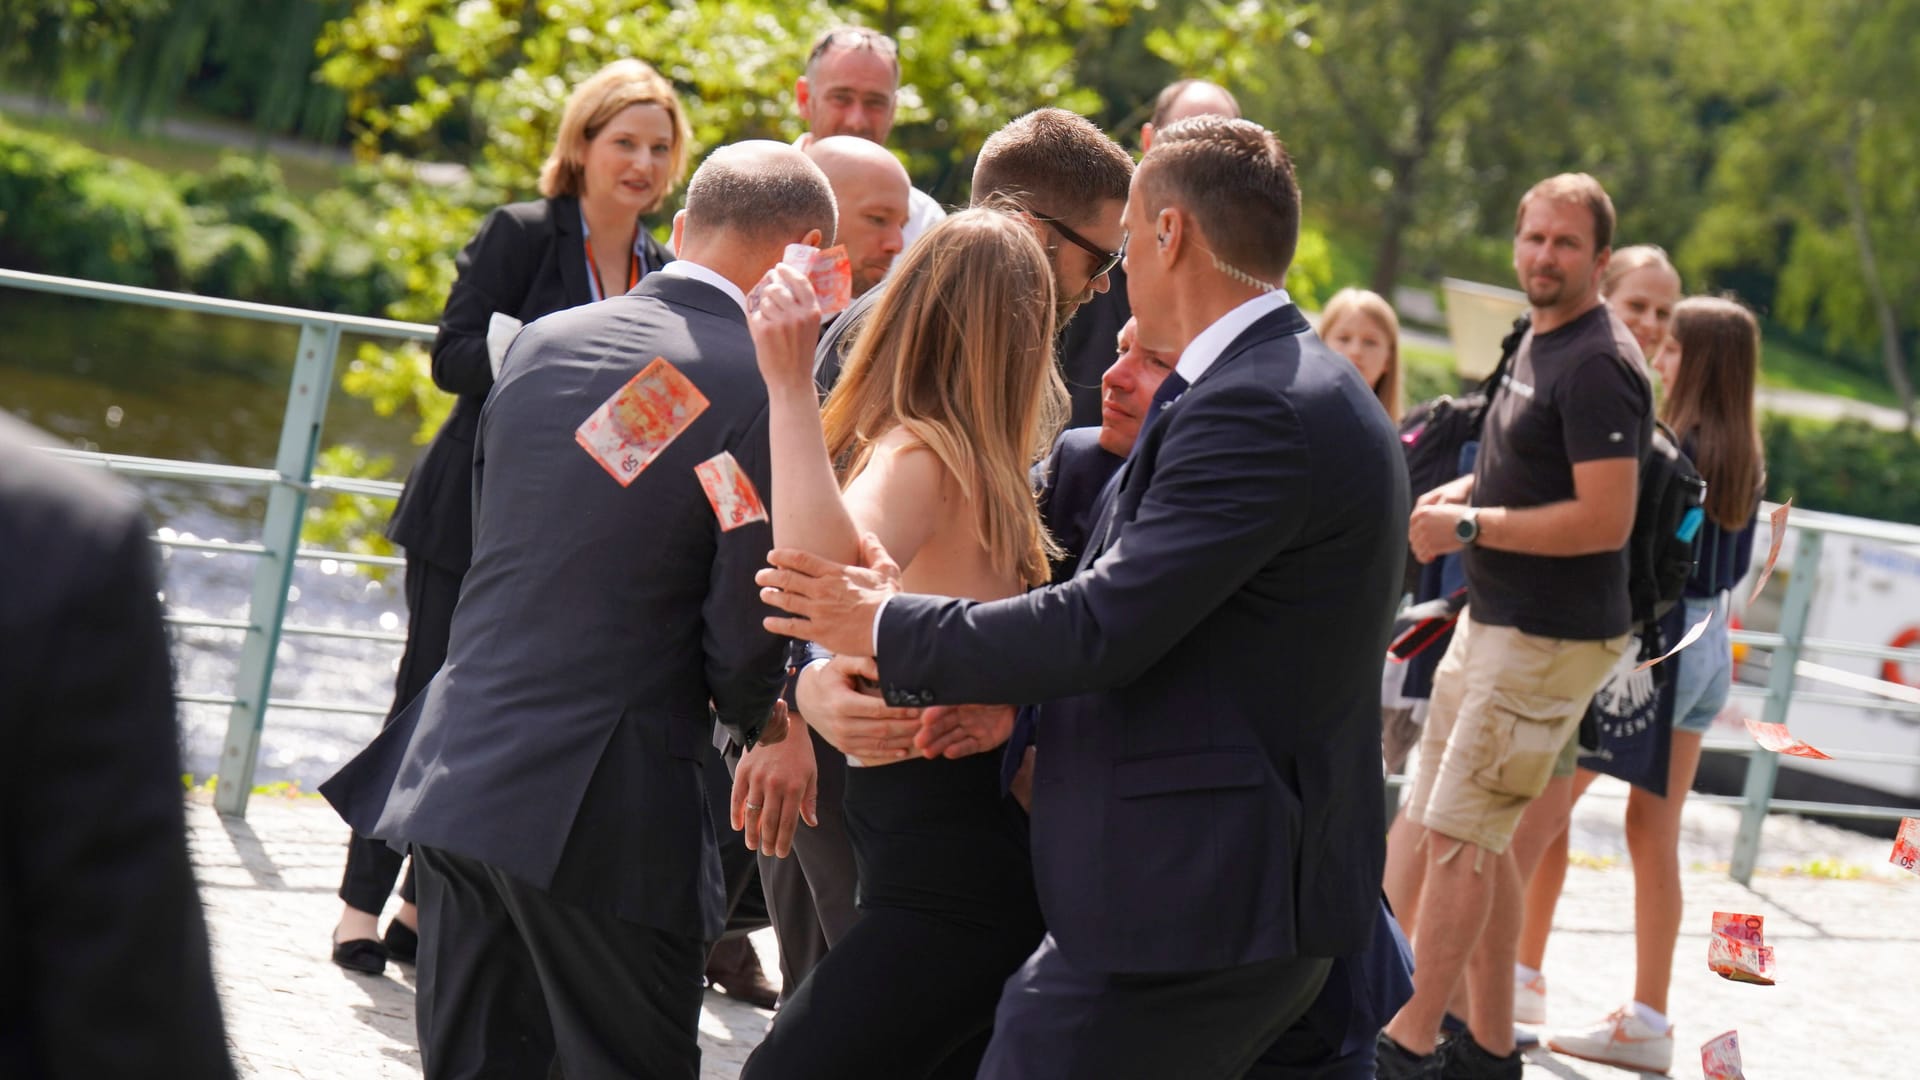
pixel 809 894
pixel 432 590
pixel 1059 1022
pixel 517 984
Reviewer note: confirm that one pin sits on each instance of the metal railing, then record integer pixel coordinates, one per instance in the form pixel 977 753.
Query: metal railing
pixel 291 481
pixel 288 484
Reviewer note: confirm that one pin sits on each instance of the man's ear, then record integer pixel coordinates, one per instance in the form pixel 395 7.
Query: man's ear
pixel 801 96
pixel 679 231
pixel 814 238
pixel 1146 137
pixel 1169 235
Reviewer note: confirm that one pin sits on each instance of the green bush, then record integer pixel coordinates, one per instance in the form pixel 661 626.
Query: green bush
pixel 67 210
pixel 1848 467
pixel 233 231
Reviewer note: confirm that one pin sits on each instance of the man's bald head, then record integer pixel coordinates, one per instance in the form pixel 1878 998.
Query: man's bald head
pixel 759 190
pixel 1184 99
pixel 746 203
pixel 871 187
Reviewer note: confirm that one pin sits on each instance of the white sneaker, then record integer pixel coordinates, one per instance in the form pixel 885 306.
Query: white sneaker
pixel 1622 1040
pixel 1529 999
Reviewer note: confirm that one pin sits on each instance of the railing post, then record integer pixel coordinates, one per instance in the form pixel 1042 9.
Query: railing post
pixel 1764 765
pixel 286 508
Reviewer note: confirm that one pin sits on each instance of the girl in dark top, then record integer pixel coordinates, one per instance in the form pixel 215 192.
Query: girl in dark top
pixel 948 398
pixel 621 149
pixel 1708 365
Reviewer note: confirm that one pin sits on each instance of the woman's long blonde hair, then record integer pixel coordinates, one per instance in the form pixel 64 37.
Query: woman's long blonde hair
pixel 959 352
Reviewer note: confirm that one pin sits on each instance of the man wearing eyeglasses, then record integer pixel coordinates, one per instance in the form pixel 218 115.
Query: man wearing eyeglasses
pixel 851 84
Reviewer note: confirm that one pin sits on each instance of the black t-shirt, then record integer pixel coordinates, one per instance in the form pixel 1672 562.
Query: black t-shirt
pixel 1575 394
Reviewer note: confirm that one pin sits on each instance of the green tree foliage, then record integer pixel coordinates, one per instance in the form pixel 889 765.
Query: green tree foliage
pixel 1814 185
pixel 248 59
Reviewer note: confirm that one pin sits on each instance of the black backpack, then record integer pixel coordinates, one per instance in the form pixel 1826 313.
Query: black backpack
pixel 1665 524
pixel 1433 432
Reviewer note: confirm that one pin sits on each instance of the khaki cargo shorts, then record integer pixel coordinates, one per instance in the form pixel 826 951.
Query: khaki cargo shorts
pixel 1505 705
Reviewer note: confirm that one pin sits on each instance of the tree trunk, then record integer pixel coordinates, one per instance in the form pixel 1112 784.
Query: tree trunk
pixel 1891 354
pixel 1394 219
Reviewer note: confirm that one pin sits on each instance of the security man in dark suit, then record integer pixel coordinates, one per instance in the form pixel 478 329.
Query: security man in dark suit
pixel 1207 809
pixel 550 778
pixel 102 937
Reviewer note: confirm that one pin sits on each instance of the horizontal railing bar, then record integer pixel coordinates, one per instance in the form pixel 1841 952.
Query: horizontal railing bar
pixel 216 624
pixel 292 628
pixel 321 554
pixel 213 305
pixel 354 485
pixel 234 547
pixel 1761 639
pixel 1815 697
pixel 1886 532
pixel 171 469
pixel 283 703
pixel 342 632
pixel 225 547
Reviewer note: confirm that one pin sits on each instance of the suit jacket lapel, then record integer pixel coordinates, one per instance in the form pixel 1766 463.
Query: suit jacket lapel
pixel 572 250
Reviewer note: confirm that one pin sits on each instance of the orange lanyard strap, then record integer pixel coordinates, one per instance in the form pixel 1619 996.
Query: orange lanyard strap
pixel 593 270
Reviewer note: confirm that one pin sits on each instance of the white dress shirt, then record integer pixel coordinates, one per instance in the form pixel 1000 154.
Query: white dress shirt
pixel 1208 344
pixel 687 268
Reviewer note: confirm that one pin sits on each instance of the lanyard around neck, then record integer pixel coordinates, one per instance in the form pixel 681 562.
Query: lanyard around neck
pixel 636 262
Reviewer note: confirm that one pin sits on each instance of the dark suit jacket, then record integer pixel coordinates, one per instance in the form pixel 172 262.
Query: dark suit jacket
pixel 562 740
pixel 1068 482
pixel 526 261
pixel 103 944
pixel 1207 790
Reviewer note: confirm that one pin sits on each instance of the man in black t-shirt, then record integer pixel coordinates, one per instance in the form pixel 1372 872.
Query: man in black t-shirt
pixel 1544 522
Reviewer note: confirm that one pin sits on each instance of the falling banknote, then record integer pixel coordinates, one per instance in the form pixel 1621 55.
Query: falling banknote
pixel 1906 846
pixel 1776 738
pixel 730 490
pixel 634 426
pixel 1735 950
pixel 1720 1058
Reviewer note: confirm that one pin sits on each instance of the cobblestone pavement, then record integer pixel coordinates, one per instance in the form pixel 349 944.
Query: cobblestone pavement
pixel 1848 952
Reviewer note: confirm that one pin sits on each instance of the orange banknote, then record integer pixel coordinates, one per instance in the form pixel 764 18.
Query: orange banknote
pixel 635 425
pixel 730 490
pixel 1735 949
pixel 1720 1058
pixel 1778 739
pixel 1906 846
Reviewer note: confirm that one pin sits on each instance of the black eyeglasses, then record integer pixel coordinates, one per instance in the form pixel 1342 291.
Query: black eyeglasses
pixel 1105 260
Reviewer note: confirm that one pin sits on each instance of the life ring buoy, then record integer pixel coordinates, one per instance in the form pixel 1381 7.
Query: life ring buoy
pixel 1890 669
pixel 1739 650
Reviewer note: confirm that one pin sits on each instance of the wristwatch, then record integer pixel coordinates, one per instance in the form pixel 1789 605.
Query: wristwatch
pixel 1467 529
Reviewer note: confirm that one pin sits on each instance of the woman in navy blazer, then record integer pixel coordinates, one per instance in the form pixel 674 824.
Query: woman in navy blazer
pixel 621 150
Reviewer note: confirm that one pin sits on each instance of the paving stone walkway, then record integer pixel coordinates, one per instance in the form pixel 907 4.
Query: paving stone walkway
pixel 1848 952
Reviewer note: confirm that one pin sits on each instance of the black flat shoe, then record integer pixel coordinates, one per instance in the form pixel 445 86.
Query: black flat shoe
pixel 364 955
pixel 402 944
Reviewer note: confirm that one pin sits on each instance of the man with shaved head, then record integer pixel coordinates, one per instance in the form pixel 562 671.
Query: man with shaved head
pixel 871 187
pixel 549 777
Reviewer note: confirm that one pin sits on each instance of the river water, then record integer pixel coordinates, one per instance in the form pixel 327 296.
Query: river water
pixel 134 380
